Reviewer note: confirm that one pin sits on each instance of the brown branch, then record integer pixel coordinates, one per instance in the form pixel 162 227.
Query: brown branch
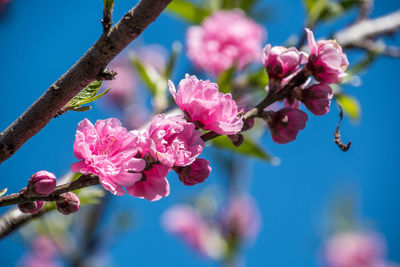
pixel 271 98
pixel 14 218
pixel 81 182
pixel 89 68
pixel 107 15
pixel 336 134
pixel 368 29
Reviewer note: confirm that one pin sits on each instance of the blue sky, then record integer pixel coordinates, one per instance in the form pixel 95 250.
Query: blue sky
pixel 42 39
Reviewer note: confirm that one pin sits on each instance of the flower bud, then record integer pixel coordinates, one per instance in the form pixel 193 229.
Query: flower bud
pixel 327 62
pixel 317 98
pixel 30 207
pixel 195 173
pixel 68 203
pixel 248 124
pixel 236 139
pixel 286 124
pixel 280 61
pixel 42 183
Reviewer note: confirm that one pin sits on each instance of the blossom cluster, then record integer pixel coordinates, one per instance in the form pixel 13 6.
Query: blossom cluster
pixel 326 63
pixel 140 160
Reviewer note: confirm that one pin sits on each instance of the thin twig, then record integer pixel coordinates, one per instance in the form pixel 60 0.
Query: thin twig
pixel 89 68
pixel 107 15
pixel 81 182
pixel 14 218
pixel 368 29
pixel 338 139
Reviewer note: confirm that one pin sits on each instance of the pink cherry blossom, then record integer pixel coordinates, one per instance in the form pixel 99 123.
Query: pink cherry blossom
pixel 327 62
pixel 153 185
pixel 195 173
pixel 224 39
pixel 317 98
pixel 171 140
pixel 242 217
pixel 356 249
pixel 108 150
pixel 281 62
pixel 202 102
pixel 286 124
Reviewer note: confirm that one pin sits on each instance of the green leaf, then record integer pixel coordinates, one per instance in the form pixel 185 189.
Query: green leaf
pixel 90 195
pixel 189 11
pixel 145 73
pixel 328 9
pixel 176 49
pixel 248 148
pixel 3 191
pixel 350 105
pixel 315 9
pixel 87 95
pixel 258 79
pixel 225 80
pixel 109 4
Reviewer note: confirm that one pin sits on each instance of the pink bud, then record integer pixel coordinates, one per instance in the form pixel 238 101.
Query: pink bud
pixel 42 183
pixel 317 98
pixel 30 207
pixel 286 124
pixel 195 173
pixel 327 62
pixel 236 139
pixel 280 61
pixel 68 203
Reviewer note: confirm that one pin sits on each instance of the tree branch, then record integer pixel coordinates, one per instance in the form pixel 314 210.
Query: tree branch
pixel 81 182
pixel 89 68
pixel 14 218
pixel 367 29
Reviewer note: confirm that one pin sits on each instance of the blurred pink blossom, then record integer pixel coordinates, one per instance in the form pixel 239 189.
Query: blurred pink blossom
pixel 317 98
pixel 124 85
pixel 241 217
pixel 356 249
pixel 327 62
pixel 107 149
pixel 172 140
pixel 195 173
pixel 185 222
pixel 153 185
pixel 286 124
pixel 224 39
pixel 202 102
pixel 43 254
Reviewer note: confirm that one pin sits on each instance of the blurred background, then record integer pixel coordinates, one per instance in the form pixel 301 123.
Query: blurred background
pixel 310 189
